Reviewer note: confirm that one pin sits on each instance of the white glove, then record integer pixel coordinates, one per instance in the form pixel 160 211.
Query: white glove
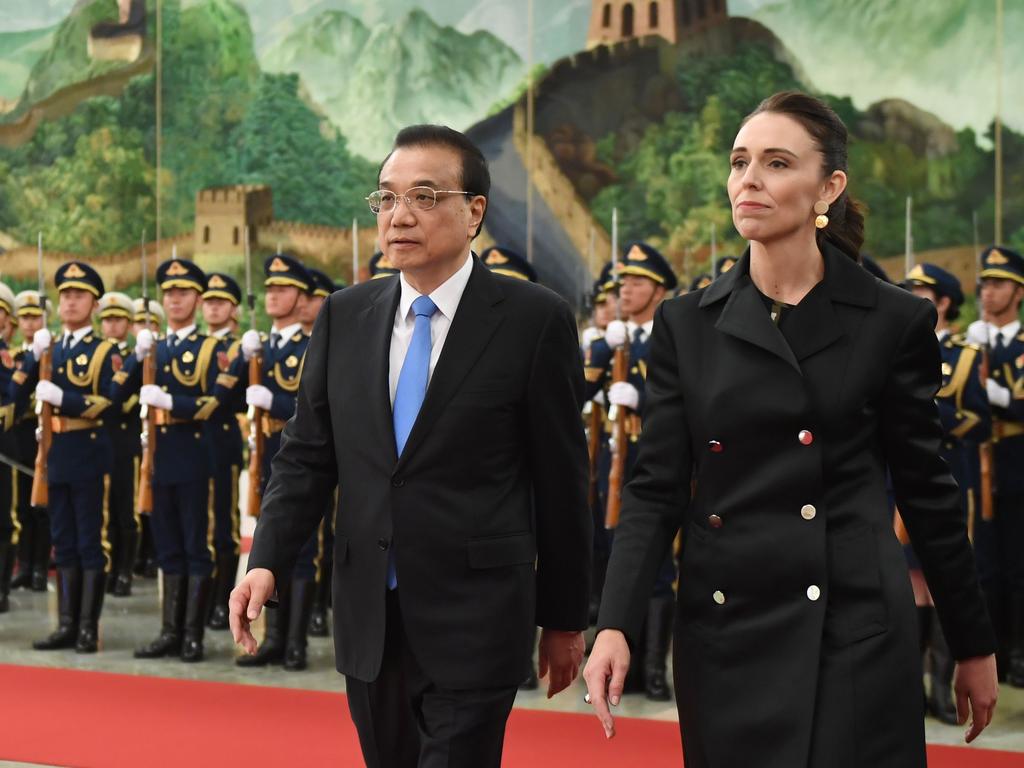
pixel 599 397
pixel 998 395
pixel 589 336
pixel 977 333
pixel 615 334
pixel 41 342
pixel 252 344
pixel 153 396
pixel 143 344
pixel 259 396
pixel 624 395
pixel 48 392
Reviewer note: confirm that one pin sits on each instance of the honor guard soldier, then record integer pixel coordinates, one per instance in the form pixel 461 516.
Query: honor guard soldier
pixel 182 518
pixel 221 300
pixel 10 528
pixel 381 266
pixel 152 318
pixel 116 312
pixel 79 460
pixel 288 287
pixel 505 261
pixel 644 279
pixel 1000 542
pixel 34 538
pixel 966 423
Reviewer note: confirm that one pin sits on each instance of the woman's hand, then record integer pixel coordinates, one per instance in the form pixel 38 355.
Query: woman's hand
pixel 605 675
pixel 977 688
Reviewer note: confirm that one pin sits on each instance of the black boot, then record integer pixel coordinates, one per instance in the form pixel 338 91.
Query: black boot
pixel 145 561
pixel 298 622
pixel 271 651
pixel 168 642
pixel 940 675
pixel 1015 667
pixel 659 638
pixel 196 611
pixel 318 615
pixel 40 550
pixel 227 568
pixel 6 566
pixel 129 544
pixel 24 577
pixel 69 601
pixel 89 614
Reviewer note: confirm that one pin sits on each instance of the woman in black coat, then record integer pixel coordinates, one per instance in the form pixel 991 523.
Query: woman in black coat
pixel 784 391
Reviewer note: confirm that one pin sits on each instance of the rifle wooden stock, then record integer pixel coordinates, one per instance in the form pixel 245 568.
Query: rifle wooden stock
pixel 620 443
pixel 985 454
pixel 595 424
pixel 40 482
pixel 145 500
pixel 256 442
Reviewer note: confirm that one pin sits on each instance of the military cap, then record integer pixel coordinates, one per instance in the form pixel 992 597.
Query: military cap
pixel 6 299
pixel 381 266
pixel 322 284
pixel 702 280
pixel 179 273
pixel 874 268
pixel 28 304
pixel 221 286
pixel 285 269
pixel 505 261
pixel 644 260
pixel 156 312
pixel 1000 262
pixel 79 275
pixel 116 304
pixel 724 264
pixel 607 277
pixel 939 280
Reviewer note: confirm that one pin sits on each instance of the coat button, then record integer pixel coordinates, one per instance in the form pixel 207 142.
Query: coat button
pixel 719 597
pixel 807 511
pixel 813 592
pixel 714 521
pixel 397 482
pixel 715 447
pixel 805 437
pixel 383 544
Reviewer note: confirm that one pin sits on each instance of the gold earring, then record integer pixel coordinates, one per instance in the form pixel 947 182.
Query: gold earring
pixel 821 208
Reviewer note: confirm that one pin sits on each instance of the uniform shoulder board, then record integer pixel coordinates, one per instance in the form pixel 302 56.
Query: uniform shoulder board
pixel 193 337
pixel 298 336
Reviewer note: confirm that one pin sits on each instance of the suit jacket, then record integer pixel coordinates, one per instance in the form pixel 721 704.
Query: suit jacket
pixel 796 640
pixel 486 510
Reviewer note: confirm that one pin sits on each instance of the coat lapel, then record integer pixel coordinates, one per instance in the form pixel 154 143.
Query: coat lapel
pixel 376 324
pixel 475 322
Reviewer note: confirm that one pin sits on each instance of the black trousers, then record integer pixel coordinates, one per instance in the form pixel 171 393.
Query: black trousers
pixel 406 721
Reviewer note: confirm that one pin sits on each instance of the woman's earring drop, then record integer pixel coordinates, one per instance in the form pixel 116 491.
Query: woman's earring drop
pixel 821 208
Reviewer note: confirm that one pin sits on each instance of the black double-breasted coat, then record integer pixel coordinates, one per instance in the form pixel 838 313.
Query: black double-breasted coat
pixel 796 640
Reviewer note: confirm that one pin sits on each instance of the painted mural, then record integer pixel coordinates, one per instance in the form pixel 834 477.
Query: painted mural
pixel 274 114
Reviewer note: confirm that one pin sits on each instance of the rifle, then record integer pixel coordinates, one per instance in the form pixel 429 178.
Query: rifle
pixel 620 440
pixel 145 501
pixel 985 450
pixel 44 432
pixel 595 417
pixel 257 438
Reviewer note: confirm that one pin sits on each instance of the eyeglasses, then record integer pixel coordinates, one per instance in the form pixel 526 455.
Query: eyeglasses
pixel 416 198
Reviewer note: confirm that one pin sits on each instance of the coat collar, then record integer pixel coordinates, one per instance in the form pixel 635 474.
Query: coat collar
pixel 744 315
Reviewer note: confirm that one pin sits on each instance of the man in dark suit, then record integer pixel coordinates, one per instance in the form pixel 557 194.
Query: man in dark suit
pixel 444 404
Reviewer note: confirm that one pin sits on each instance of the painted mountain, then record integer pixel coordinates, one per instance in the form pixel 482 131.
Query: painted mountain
pixel 372 81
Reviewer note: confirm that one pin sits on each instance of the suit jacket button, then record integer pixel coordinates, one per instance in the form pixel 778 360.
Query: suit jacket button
pixel 805 437
pixel 813 592
pixel 719 597
pixel 397 482
pixel 808 511
pixel 714 521
pixel 383 544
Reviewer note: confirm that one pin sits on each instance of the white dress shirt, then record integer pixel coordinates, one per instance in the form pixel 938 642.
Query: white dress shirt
pixel 1008 331
pixel 447 297
pixel 76 336
pixel 286 333
pixel 647 328
pixel 181 333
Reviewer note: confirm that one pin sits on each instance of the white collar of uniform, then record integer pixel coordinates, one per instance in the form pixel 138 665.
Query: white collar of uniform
pixel 220 334
pixel 76 336
pixel 286 333
pixel 647 327
pixel 182 333
pixel 941 335
pixel 446 296
pixel 1008 331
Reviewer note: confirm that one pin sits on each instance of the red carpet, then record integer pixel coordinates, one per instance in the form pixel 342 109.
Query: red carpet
pixel 66 717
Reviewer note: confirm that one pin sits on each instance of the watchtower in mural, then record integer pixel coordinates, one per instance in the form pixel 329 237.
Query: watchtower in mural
pixel 612 21
pixel 223 213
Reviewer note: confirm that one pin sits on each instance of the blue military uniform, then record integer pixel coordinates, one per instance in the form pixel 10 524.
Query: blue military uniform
pixel 182 517
pixel 226 438
pixel 78 466
pixel 9 524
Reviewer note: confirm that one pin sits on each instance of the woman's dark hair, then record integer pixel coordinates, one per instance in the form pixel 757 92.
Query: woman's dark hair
pixel 475 177
pixel 845 228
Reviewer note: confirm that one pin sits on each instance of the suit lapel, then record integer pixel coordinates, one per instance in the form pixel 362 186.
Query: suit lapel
pixel 474 324
pixel 376 324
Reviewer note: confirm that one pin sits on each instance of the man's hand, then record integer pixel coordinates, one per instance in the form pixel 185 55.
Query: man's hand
pixel 616 334
pixel 624 395
pixel 48 392
pixel 41 341
pixel 259 396
pixel 252 344
pixel 998 395
pixel 606 674
pixel 144 342
pixel 977 688
pixel 245 604
pixel 151 395
pixel 560 654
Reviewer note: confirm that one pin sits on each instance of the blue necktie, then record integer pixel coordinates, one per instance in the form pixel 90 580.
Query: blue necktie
pixel 412 388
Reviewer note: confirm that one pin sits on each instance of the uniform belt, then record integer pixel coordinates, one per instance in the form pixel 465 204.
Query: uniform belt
pixel 1001 430
pixel 272 426
pixel 61 424
pixel 164 419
